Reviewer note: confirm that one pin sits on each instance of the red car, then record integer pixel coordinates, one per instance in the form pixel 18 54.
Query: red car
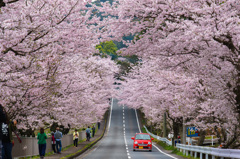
pixel 142 141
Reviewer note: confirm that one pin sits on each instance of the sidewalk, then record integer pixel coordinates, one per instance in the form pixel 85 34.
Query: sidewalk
pixel 82 147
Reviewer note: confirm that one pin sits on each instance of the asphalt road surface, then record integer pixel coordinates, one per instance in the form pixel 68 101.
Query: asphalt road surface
pixel 117 143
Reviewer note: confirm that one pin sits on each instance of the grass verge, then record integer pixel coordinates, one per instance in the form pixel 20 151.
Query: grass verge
pixel 144 130
pixel 173 150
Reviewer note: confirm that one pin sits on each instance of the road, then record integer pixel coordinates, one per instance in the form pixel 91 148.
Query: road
pixel 117 143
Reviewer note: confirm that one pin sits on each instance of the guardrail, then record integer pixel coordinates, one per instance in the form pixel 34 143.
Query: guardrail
pixel 214 152
pixel 158 137
pixel 189 149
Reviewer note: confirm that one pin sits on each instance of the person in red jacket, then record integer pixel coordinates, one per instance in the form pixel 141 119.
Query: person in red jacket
pixel 53 143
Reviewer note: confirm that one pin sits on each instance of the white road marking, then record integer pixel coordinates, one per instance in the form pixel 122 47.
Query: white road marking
pixel 138 122
pixel 164 152
pixel 125 140
pixel 110 116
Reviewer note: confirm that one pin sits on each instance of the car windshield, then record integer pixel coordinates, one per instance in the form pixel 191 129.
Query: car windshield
pixel 142 137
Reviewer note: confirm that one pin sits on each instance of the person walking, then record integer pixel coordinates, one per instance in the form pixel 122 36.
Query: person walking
pixel 7 141
pixel 2 120
pixel 88 131
pixel 75 138
pixel 53 142
pixel 58 137
pixel 42 144
pixel 93 131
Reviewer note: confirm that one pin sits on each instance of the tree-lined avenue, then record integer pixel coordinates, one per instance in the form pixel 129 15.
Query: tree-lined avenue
pixel 123 125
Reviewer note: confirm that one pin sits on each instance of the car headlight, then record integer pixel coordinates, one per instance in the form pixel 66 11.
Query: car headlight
pixel 149 143
pixel 135 142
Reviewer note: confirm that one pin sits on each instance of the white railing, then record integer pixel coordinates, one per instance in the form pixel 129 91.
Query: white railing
pixel 159 138
pixel 214 152
pixel 193 150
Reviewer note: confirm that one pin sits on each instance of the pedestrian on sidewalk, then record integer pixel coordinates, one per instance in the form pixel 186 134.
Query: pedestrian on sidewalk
pixel 93 131
pixel 75 138
pixel 42 144
pixel 53 143
pixel 2 120
pixel 88 131
pixel 7 141
pixel 58 137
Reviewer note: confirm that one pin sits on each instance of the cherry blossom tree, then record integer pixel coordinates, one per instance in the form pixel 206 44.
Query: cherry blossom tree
pixel 85 89
pixel 39 40
pixel 195 39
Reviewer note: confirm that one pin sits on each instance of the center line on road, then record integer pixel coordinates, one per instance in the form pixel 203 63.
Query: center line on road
pixel 138 122
pixel 110 116
pixel 125 140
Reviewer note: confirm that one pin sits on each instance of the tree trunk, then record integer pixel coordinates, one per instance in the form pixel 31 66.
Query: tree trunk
pixel 218 135
pixel 230 143
pixel 202 134
pixel 175 129
pixel 164 125
pixel 224 134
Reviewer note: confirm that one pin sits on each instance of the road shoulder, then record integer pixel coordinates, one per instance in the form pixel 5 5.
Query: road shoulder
pixel 169 152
